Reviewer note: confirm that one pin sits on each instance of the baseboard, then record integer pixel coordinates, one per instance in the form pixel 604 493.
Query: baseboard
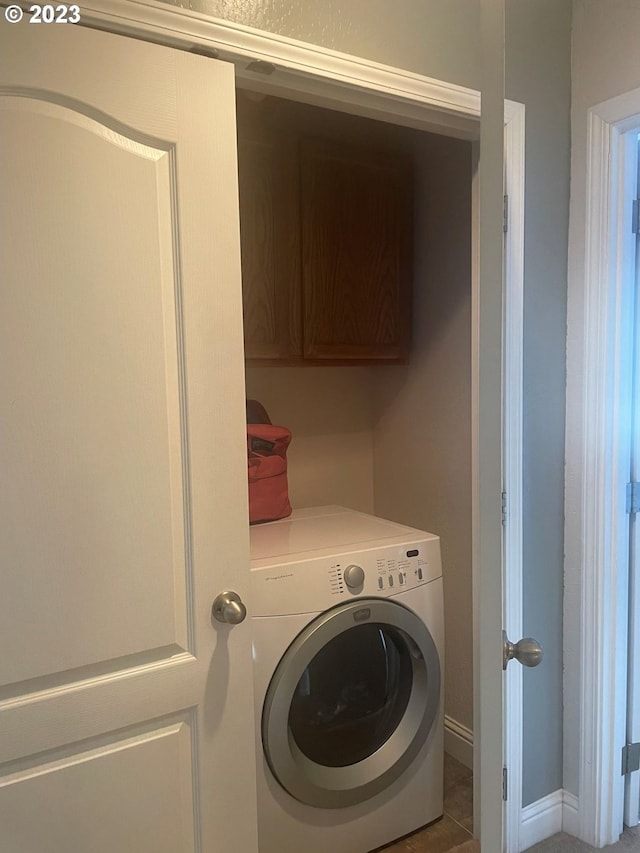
pixel 557 812
pixel 570 814
pixel 542 819
pixel 458 741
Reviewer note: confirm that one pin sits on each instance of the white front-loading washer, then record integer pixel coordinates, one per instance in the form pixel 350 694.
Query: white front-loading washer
pixel 348 642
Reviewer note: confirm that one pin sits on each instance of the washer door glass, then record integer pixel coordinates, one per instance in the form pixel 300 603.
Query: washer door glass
pixel 352 695
pixel 351 703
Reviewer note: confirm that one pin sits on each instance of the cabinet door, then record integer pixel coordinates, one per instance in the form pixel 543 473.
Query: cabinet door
pixel 270 236
pixel 356 252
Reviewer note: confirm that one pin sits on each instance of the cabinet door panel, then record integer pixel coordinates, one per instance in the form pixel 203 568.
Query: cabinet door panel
pixel 269 227
pixel 356 252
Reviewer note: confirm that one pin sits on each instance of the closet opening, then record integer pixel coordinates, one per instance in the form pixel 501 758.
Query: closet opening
pixel 376 388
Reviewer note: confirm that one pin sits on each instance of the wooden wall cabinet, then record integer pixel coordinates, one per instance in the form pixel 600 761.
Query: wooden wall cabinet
pixel 326 235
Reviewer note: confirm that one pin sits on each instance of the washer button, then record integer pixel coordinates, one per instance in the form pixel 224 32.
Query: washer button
pixel 390 580
pixel 380 583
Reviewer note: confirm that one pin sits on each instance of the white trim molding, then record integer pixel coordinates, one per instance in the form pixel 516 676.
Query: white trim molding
pixel 514 142
pixel 557 812
pixel 458 741
pixel 541 819
pixel 600 320
pixel 301 68
pixel 570 813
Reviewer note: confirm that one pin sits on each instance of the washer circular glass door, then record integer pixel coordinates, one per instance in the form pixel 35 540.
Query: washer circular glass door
pixel 351 703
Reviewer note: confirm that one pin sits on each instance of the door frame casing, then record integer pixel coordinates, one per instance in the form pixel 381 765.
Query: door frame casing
pixel 513 396
pixel 325 77
pixel 599 386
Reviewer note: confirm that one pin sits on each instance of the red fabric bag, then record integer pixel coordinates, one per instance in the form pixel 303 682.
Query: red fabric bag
pixel 267 463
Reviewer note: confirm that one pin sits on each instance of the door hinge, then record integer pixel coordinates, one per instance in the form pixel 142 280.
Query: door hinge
pixel 504 783
pixel 633 498
pixel 635 216
pixel 505 213
pixel 504 508
pixel 630 758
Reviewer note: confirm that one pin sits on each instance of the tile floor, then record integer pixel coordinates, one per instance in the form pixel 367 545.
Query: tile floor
pixel 457 823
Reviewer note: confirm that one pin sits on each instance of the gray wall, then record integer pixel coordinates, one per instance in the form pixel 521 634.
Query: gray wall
pixel 538 73
pixel 440 38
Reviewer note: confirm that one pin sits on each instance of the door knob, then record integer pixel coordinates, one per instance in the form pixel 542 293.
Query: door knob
pixel 228 607
pixel 527 651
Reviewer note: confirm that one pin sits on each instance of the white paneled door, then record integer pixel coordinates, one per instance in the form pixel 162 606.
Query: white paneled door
pixel 125 709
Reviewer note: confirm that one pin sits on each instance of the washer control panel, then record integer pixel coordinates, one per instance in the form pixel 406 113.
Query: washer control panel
pixel 391 573
pixel 303 584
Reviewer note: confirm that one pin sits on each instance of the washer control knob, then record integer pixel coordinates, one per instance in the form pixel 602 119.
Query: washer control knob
pixel 353 576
